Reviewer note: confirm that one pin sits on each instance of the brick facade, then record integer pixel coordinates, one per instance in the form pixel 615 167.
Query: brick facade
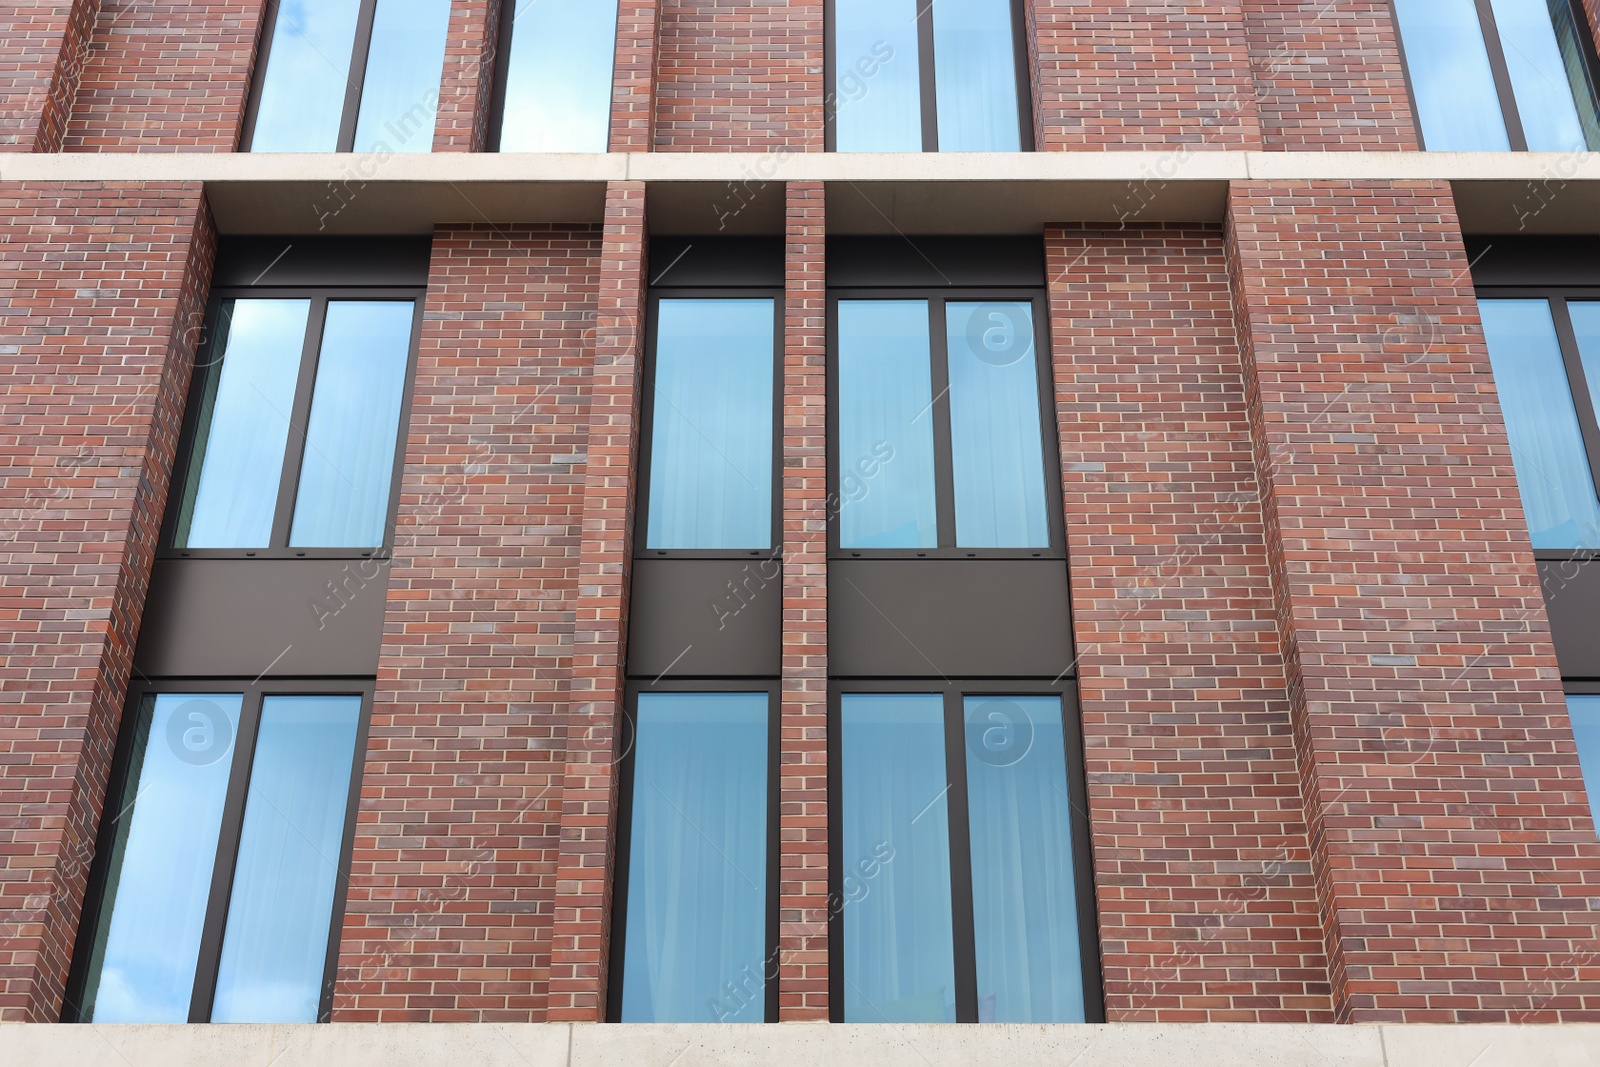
pixel 43 48
pixel 467 83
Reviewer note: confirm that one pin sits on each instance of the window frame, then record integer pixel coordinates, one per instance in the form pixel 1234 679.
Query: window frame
pixel 943 453
pixel 926 80
pixel 1500 69
pixel 963 926
pixel 1558 297
pixel 502 73
pixel 294 449
pixel 355 81
pixel 647 411
pixel 627 733
pixel 230 835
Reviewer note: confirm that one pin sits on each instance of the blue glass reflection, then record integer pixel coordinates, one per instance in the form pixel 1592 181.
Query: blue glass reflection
pixel 275 945
pixel 1585 714
pixel 164 848
pixel 1024 891
pixel 695 943
pixel 558 77
pixel 308 69
pixel 885 477
pixel 711 440
pixel 995 432
pixel 244 425
pixel 1450 76
pixel 1539 77
pixel 1558 491
pixel 975 73
pixel 1586 324
pixel 400 93
pixel 899 957
pixel 877 84
pixel 343 496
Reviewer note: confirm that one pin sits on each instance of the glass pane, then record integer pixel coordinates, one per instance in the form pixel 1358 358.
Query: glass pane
pixel 975 72
pixel 696 938
pixel 343 497
pixel 711 439
pixel 1450 76
pixel 1573 41
pixel 142 965
pixel 1539 75
pixel 1024 891
pixel 1553 474
pixel 899 956
pixel 886 486
pixel 308 70
pixel 1585 713
pixel 400 94
pixel 1586 323
pixel 232 492
pixel 275 947
pixel 995 433
pixel 558 79
pixel 877 82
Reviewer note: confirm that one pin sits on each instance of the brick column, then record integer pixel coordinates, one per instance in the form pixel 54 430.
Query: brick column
pixel 633 85
pixel 104 296
pixel 452 877
pixel 1455 856
pixel 581 944
pixel 1208 909
pixel 43 47
pixel 803 786
pixel 465 88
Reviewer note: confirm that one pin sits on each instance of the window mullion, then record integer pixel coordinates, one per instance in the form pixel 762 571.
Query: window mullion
pixel 963 923
pixel 358 75
pixel 929 86
pixel 944 478
pixel 1024 72
pixel 1578 381
pixel 299 420
pixel 1502 76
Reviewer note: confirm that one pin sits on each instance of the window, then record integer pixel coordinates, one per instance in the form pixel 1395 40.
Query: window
pixel 1584 709
pixel 220 867
pixel 348 75
pixel 940 439
pixel 1545 351
pixel 295 423
pixel 555 78
pixel 1498 75
pixel 696 927
pixel 929 76
pixel 961 888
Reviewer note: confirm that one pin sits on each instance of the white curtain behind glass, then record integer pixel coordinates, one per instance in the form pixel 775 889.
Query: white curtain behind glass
pixel 975 72
pixel 877 83
pixel 400 93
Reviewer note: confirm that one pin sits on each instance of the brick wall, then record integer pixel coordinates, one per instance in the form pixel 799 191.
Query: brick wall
pixel 43 46
pixel 102 293
pixel 633 84
pixel 166 76
pixel 1208 911
pixel 468 78
pixel 1456 856
pixel 452 885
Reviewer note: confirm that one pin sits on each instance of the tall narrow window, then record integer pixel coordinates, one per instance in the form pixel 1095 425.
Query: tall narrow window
pixel 910 75
pixel 557 81
pixel 1492 75
pixel 1584 711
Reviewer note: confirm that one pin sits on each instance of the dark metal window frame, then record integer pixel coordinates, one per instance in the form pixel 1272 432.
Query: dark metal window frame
pixel 1577 381
pixel 627 734
pixel 1499 68
pixel 647 414
pixel 927 82
pixel 963 922
pixel 207 362
pixel 502 71
pixel 354 81
pixel 228 839
pixel 943 454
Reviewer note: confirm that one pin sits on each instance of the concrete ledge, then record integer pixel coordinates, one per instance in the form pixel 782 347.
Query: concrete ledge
pixel 801 1045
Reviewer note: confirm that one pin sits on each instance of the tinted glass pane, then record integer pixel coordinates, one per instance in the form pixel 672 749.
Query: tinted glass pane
pixel 995 432
pixel 163 851
pixel 975 71
pixel 558 79
pixel 1553 474
pixel 308 67
pixel 1572 38
pixel 696 942
pixel 877 84
pixel 400 94
pixel 899 960
pixel 275 947
pixel 1024 893
pixel 1586 322
pixel 1450 76
pixel 711 440
pixel 1539 78
pixel 343 496
pixel 885 478
pixel 232 491
pixel 1585 712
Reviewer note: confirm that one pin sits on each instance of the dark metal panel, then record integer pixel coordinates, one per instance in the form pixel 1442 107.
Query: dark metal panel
pixel 715 262
pixel 716 618
pixel 1522 260
pixel 249 617
pixel 864 262
pixel 322 261
pixel 948 618
pixel 1572 595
